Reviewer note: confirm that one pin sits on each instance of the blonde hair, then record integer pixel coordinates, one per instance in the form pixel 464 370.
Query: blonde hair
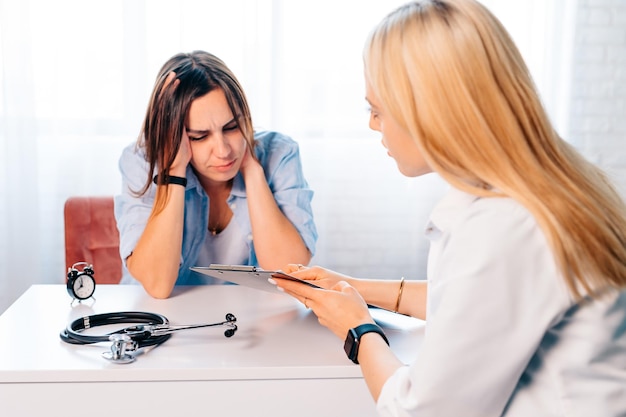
pixel 449 73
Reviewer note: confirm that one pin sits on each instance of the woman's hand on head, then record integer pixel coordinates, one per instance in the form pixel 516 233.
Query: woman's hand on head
pixel 183 157
pixel 248 162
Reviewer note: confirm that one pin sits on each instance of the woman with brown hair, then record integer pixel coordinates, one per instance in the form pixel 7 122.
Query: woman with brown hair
pixel 200 186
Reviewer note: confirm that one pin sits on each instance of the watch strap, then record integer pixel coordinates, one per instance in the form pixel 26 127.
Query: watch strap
pixel 170 179
pixel 353 339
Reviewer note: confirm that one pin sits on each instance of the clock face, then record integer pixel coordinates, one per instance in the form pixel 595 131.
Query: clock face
pixel 84 286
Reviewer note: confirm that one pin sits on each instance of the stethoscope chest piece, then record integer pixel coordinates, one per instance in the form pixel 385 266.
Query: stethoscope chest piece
pixel 118 354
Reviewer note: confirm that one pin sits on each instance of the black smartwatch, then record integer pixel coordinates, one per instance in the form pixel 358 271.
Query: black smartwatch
pixel 170 179
pixel 353 339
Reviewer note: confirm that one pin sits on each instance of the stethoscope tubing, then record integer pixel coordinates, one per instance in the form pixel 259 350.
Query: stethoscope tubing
pixel 154 328
pixel 72 333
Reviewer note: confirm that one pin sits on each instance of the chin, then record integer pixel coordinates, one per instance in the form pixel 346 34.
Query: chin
pixel 216 176
pixel 412 172
pixel 406 171
pixel 223 177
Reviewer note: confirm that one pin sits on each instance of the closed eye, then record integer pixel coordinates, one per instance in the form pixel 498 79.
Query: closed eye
pixel 372 112
pixel 197 138
pixel 197 135
pixel 230 127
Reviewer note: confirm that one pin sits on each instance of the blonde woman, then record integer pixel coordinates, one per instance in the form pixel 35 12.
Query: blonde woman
pixel 525 301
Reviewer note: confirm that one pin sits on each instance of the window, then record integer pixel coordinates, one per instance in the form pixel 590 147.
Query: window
pixel 76 76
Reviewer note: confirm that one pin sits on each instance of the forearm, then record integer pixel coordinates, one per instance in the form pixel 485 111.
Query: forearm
pixel 384 294
pixel 276 240
pixel 377 362
pixel 156 258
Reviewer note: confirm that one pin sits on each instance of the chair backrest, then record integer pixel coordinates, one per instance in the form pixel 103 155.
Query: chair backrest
pixel 91 236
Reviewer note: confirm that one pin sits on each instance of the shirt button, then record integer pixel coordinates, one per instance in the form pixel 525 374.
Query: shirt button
pixel 250 236
pixel 233 206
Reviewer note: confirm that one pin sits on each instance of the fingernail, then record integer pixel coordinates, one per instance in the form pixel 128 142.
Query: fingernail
pixel 271 281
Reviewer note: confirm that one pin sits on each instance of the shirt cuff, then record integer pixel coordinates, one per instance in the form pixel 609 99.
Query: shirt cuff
pixel 395 397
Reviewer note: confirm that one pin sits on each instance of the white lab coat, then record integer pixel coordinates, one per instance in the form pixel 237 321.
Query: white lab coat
pixel 503 335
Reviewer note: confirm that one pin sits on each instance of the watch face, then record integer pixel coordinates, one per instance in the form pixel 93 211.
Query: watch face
pixel 351 345
pixel 84 286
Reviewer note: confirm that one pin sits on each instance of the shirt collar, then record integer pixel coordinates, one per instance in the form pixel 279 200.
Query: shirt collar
pixel 239 186
pixel 448 211
pixel 192 180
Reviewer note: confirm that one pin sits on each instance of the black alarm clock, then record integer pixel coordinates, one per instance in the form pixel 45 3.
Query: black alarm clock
pixel 81 284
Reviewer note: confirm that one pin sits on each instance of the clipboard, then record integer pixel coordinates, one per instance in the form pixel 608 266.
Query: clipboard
pixel 250 276
pixel 254 277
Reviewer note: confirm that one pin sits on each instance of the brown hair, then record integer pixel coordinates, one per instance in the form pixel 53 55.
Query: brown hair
pixel 196 74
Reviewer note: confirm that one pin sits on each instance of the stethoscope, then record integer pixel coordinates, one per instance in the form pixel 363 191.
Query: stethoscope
pixel 152 330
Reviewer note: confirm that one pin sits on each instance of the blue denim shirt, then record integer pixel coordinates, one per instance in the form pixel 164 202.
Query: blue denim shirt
pixel 280 157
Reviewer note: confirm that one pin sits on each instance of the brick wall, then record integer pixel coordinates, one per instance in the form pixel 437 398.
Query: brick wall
pixel 598 92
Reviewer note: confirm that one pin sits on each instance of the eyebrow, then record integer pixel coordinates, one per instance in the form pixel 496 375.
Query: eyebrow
pixel 203 132
pixel 373 106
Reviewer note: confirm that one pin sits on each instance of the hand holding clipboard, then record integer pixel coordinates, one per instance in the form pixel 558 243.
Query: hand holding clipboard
pixel 249 276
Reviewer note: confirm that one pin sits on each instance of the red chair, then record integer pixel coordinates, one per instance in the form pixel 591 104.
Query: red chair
pixel 91 236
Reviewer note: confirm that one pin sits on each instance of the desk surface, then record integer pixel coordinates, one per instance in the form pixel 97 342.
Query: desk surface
pixel 276 338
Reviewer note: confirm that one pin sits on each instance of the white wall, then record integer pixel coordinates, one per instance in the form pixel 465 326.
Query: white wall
pixel 370 218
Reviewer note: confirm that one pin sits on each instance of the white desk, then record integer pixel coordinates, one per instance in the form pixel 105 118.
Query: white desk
pixel 281 361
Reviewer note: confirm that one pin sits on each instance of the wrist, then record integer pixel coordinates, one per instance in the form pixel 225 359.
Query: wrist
pixel 353 339
pixel 177 171
pixel 169 179
pixel 399 297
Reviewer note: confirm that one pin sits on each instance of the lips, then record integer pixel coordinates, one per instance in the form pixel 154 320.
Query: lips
pixel 224 167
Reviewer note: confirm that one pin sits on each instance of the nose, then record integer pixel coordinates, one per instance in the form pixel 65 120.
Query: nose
pixel 222 146
pixel 374 124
